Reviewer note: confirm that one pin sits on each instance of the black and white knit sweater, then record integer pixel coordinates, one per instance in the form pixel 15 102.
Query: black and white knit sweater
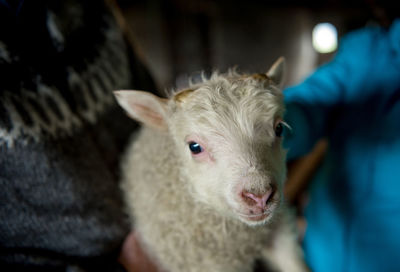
pixel 61 135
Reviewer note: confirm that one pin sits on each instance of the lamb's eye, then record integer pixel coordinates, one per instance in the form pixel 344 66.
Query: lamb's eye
pixel 279 129
pixel 195 148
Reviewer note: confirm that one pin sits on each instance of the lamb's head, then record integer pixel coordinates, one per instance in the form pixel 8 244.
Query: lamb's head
pixel 228 133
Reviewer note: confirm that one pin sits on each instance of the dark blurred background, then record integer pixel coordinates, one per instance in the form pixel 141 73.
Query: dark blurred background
pixel 181 38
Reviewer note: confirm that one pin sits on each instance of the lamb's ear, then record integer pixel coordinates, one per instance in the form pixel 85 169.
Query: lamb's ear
pixel 277 72
pixel 144 107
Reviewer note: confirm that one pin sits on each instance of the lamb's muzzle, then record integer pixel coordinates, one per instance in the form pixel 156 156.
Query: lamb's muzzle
pixel 257 201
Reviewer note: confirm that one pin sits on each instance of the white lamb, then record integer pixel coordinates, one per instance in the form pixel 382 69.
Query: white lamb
pixel 203 179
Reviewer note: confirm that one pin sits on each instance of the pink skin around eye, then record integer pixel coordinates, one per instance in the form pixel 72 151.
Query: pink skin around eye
pixel 203 156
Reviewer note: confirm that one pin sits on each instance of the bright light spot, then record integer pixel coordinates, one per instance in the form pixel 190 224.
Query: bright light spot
pixel 324 38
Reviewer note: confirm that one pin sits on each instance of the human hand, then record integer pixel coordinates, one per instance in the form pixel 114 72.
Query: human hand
pixel 133 258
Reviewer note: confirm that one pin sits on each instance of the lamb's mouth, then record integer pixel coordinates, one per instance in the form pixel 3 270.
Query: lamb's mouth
pixel 254 217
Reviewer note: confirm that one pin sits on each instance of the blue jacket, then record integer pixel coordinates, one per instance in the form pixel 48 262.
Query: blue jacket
pixel 354 209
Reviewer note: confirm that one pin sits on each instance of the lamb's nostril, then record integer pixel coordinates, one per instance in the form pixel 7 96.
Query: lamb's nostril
pixel 267 196
pixel 249 198
pixel 259 200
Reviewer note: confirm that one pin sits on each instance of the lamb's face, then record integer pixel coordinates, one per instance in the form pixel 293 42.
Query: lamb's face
pixel 228 132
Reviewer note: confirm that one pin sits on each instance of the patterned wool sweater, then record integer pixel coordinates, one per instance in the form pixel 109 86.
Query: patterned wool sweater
pixel 61 134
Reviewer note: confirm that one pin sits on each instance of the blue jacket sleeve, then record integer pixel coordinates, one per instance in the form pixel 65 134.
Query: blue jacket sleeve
pixel 309 106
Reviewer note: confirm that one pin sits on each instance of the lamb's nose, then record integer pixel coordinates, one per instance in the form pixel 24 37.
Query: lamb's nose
pixel 257 200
